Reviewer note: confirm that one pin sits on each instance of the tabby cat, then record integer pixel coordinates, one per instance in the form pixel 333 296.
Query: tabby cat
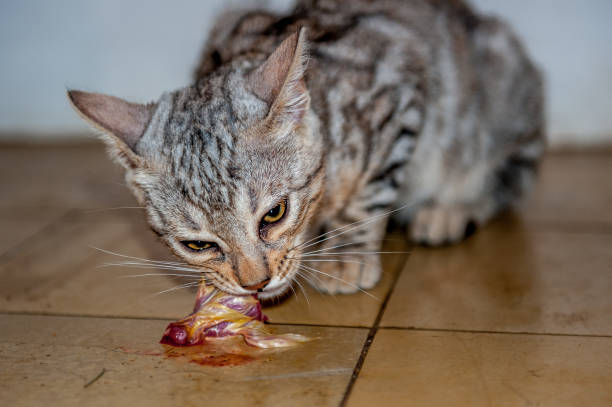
pixel 328 121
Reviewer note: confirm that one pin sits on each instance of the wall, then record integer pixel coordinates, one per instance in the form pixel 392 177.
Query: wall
pixel 137 49
pixel 571 40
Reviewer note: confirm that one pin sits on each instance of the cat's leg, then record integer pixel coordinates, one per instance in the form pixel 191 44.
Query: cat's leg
pixel 435 224
pixel 493 150
pixel 467 202
pixel 347 260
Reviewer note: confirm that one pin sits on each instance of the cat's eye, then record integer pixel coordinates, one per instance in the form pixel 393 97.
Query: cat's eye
pixel 275 214
pixel 198 245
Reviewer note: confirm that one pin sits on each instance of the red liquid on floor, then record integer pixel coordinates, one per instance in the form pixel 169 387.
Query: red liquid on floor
pixel 218 353
pixel 222 330
pixel 202 356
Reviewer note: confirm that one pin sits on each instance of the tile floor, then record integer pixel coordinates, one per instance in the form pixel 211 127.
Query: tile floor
pixel 519 314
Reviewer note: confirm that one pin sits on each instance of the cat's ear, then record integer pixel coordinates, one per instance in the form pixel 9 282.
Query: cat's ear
pixel 122 123
pixel 280 80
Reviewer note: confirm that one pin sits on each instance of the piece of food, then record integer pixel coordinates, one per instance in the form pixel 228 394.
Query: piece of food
pixel 219 315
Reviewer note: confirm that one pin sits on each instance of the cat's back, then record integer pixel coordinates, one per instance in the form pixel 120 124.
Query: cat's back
pixel 425 89
pixel 354 33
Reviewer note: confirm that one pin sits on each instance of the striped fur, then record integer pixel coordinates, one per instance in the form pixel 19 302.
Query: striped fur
pixel 365 107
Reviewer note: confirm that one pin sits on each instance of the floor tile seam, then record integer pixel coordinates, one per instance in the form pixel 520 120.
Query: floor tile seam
pixel 374 329
pixel 491 332
pixel 49 225
pixel 318 325
pixel 141 318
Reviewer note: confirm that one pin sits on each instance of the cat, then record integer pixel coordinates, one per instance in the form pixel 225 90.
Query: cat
pixel 327 122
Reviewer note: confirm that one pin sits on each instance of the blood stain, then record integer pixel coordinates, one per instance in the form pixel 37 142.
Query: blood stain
pixel 212 353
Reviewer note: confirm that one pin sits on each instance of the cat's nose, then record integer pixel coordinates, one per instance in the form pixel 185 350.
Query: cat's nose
pixel 257 287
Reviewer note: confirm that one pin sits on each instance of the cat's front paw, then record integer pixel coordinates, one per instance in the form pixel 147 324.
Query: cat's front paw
pixel 438 225
pixel 345 276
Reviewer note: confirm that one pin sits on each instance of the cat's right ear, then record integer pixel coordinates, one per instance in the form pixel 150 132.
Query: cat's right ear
pixel 122 123
pixel 279 81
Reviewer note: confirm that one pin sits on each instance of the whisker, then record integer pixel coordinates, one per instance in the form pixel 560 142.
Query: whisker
pixel 118 183
pixel 354 243
pixel 339 261
pixel 310 281
pixel 303 291
pixel 137 258
pixel 128 263
pixel 298 274
pixel 343 261
pixel 162 274
pixel 339 279
pixel 301 273
pixel 332 231
pixel 161 267
pixel 178 287
pixel 359 223
pixel 350 253
pixel 115 208
pixel 294 293
pixel 340 245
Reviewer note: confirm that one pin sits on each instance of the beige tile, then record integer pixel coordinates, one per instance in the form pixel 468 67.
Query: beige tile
pixel 412 368
pixel 34 214
pixel 130 214
pixel 60 273
pixel 508 278
pixel 572 187
pixel 68 176
pixel 49 360
pixel 15 233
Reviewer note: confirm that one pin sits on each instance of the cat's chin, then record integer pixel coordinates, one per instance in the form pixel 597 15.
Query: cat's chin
pixel 276 292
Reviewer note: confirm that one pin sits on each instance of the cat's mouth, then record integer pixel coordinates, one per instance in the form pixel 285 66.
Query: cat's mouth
pixel 275 288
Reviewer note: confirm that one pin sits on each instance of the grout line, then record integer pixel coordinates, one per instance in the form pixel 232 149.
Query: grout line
pixel 169 319
pixel 108 316
pixel 478 331
pixel 372 334
pixel 317 325
pixel 377 327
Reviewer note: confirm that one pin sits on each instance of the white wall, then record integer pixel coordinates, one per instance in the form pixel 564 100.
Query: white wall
pixel 139 48
pixel 571 40
pixel 135 49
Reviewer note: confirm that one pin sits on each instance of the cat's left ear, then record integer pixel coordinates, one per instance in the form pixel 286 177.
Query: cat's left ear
pixel 122 123
pixel 280 80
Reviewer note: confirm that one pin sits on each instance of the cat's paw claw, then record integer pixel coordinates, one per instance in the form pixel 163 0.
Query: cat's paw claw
pixel 438 225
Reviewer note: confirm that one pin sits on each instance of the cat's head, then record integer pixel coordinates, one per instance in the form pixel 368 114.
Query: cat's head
pixel 230 170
